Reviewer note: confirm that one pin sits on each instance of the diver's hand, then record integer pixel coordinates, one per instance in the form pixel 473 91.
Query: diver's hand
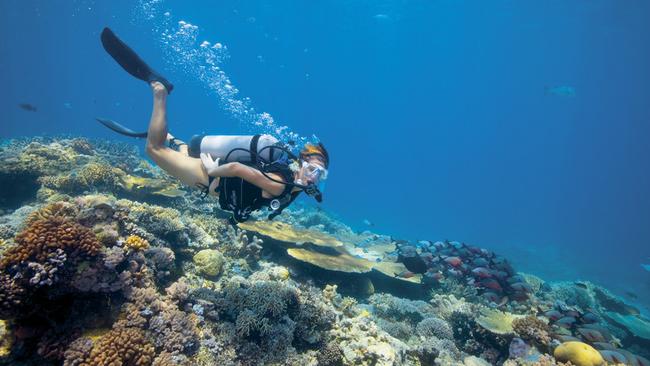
pixel 210 165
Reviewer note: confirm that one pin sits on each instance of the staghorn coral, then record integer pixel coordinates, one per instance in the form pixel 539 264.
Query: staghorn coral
pixel 112 257
pixel 44 237
pixel 134 242
pixel 362 343
pixel 237 244
pixel 271 317
pixel 532 329
pixel 160 221
pixel 330 355
pixel 161 261
pixel 173 330
pixel 434 327
pixel 82 146
pixel 391 307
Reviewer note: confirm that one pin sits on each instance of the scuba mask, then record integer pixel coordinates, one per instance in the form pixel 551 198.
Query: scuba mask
pixel 314 172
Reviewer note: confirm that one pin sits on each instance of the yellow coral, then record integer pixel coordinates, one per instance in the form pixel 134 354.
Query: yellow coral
pixel 342 262
pixel 287 233
pixel 579 354
pixel 135 242
pixel 95 333
pixel 6 340
pixel 496 321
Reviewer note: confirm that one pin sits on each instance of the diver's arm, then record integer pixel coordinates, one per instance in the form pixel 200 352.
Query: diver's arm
pixel 243 171
pixel 254 176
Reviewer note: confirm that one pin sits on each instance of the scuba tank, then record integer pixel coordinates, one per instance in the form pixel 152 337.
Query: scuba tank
pixel 231 148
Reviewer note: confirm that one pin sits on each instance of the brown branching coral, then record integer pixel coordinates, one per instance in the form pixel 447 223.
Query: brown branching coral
pixel 532 329
pixel 55 209
pixel 120 346
pixel 43 237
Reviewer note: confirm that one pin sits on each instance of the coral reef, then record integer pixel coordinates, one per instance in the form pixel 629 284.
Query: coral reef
pixel 98 267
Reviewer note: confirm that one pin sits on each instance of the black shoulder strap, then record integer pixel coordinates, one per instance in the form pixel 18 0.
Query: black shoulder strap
pixel 253 148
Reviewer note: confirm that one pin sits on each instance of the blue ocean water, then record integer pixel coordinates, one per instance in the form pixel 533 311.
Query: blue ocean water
pixel 441 117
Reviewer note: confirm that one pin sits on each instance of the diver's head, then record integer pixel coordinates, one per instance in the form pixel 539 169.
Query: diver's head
pixel 312 165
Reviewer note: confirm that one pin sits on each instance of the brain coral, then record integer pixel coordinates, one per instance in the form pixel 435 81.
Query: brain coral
pixel 43 237
pixel 579 354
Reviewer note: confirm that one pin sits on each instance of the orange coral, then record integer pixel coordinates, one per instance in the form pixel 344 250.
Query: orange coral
pixel 44 237
pixel 135 242
pixel 123 346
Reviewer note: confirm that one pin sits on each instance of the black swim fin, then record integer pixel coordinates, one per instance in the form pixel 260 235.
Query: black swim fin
pixel 130 61
pixel 120 129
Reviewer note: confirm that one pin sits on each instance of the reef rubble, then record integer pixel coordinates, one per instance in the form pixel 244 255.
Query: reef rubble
pixel 104 260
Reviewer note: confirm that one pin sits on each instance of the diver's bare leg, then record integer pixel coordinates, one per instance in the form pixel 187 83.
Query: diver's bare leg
pixel 178 164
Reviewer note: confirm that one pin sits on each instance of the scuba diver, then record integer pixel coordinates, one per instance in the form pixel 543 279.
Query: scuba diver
pixel 247 173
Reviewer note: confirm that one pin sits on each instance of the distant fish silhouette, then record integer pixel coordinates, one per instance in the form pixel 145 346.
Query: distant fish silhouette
pixel 382 18
pixel 28 107
pixel 367 222
pixel 646 267
pixel 564 91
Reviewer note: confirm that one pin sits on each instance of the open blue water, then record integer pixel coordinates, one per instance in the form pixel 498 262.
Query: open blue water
pixel 437 114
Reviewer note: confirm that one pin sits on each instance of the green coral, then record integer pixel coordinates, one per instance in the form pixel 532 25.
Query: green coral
pixel 209 262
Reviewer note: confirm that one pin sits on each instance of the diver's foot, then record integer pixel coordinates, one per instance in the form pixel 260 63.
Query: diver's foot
pixel 158 89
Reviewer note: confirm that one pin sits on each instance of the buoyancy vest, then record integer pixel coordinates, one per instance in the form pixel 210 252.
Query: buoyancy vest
pixel 236 194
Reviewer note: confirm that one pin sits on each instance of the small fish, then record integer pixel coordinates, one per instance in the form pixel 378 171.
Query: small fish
pixel 631 295
pixel 521 287
pixel 613 357
pixel 481 272
pixel 646 267
pixel 382 18
pixel 564 91
pixel 589 318
pixel 453 261
pixel 491 284
pixel 368 223
pixel 491 296
pixel 591 335
pixel 566 321
pixel 553 315
pixel 67 105
pixel 28 107
pixel 405 274
pixel 581 285
pixel 455 272
pixel 480 262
